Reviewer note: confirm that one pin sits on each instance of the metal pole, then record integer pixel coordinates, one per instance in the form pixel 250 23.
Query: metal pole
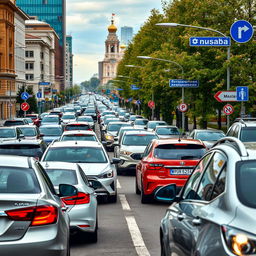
pixel 183 113
pixel 10 100
pixel 228 82
pixel 153 108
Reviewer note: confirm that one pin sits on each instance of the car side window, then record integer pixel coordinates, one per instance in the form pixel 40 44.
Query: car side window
pixel 211 183
pixel 147 150
pixel 189 191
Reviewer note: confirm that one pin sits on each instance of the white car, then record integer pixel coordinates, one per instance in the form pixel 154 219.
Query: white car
pixel 94 161
pixel 68 117
pixel 79 136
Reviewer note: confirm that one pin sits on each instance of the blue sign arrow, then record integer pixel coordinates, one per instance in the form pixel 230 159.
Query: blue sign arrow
pixel 179 83
pixel 39 95
pixel 242 93
pixel 241 31
pixel 210 41
pixel 24 95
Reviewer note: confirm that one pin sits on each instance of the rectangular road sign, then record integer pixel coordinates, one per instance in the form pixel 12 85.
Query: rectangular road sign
pixel 225 96
pixel 44 83
pixel 242 93
pixel 210 41
pixel 179 83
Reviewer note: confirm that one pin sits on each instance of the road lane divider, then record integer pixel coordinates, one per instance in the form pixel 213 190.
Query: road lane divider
pixel 124 202
pixel 118 185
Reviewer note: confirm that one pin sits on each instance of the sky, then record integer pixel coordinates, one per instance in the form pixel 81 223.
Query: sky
pixel 87 22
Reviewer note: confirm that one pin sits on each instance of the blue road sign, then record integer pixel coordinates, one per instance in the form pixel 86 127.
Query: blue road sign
pixel 134 87
pixel 39 95
pixel 138 102
pixel 179 83
pixel 24 95
pixel 210 41
pixel 119 89
pixel 241 31
pixel 242 93
pixel 44 83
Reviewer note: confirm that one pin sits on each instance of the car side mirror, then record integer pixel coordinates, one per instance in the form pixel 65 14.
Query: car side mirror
pixel 115 161
pixel 166 194
pixel 41 135
pixel 67 190
pixel 104 143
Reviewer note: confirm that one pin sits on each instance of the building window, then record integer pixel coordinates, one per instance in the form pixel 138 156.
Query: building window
pixel 112 49
pixel 42 67
pixel 30 77
pixel 29 54
pixel 42 55
pixel 42 77
pixel 29 66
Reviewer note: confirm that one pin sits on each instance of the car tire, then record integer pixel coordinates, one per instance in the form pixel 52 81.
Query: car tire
pixel 136 187
pixel 113 199
pixel 145 199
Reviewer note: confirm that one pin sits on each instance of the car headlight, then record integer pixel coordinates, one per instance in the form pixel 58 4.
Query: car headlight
pixel 239 242
pixel 108 174
pixel 109 137
pixel 124 152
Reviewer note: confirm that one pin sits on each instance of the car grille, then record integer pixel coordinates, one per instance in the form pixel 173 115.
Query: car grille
pixel 136 156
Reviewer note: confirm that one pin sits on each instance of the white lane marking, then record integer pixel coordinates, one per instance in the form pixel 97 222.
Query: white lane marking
pixel 118 185
pixel 137 239
pixel 124 203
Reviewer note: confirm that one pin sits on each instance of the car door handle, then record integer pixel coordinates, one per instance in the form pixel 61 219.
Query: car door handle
pixel 181 216
pixel 197 222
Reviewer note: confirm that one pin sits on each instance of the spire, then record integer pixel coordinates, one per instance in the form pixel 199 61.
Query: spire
pixel 112 28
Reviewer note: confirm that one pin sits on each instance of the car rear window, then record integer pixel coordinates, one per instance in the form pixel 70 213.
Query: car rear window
pixel 58 177
pixel 7 133
pixel 27 131
pixel 179 152
pixel 141 122
pixel 245 182
pixel 22 150
pixel 13 123
pixel 68 117
pixel 167 131
pixel 209 136
pixel 154 125
pixel 50 119
pixel 82 127
pixel 86 119
pixel 138 140
pixel 18 180
pixel 248 134
pixel 51 131
pixel 79 137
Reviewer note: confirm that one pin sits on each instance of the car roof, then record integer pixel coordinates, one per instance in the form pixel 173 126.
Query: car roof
pixel 21 142
pixel 51 126
pixel 73 143
pixel 177 141
pixel 156 121
pixel 207 130
pixel 117 122
pixel 25 126
pixel 139 132
pixel 12 127
pixel 79 131
pixel 51 116
pixel 16 161
pixel 77 123
pixel 166 126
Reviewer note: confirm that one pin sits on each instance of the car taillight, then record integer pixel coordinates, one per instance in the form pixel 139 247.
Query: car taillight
pixel 154 166
pixel 38 215
pixel 80 198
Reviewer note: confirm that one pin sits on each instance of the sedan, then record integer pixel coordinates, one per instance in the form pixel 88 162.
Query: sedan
pixel 51 132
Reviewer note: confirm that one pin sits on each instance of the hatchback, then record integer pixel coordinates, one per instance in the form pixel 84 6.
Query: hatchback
pixel 215 212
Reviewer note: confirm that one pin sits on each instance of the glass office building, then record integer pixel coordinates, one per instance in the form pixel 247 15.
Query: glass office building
pixel 126 35
pixel 50 11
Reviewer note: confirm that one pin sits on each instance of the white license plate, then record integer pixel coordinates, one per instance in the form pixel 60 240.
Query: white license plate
pixel 181 171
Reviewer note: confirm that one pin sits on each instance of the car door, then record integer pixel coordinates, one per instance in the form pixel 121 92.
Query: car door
pixel 190 223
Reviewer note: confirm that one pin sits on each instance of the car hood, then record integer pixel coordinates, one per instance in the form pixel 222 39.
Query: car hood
pixel 133 149
pixel 167 136
pixel 94 168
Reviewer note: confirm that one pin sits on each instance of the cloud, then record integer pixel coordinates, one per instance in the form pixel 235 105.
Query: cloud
pixel 87 22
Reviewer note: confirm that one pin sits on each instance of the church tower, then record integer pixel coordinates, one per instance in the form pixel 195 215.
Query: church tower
pixel 113 55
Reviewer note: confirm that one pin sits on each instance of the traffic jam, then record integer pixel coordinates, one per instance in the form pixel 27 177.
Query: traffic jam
pixel 57 168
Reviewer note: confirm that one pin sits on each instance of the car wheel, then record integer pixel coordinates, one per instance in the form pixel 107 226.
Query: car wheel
pixel 136 187
pixel 112 199
pixel 145 199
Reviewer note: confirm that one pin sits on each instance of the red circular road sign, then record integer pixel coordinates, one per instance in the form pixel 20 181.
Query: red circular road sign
pixel 151 104
pixel 228 109
pixel 183 107
pixel 25 106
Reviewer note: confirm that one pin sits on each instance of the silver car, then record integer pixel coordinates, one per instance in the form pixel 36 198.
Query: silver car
pixel 82 211
pixel 215 212
pixel 33 219
pixel 51 132
pixel 11 133
pixel 94 161
pixel 167 131
pixel 50 120
pixel 79 135
pixel 131 148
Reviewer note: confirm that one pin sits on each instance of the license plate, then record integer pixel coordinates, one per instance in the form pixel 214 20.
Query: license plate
pixel 181 171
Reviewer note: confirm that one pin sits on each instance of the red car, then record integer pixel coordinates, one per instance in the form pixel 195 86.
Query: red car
pixel 164 162
pixel 35 118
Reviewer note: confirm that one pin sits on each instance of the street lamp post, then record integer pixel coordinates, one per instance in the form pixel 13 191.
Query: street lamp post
pixel 182 90
pixel 208 29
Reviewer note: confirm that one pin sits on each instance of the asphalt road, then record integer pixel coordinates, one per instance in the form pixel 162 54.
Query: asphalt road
pixel 126 227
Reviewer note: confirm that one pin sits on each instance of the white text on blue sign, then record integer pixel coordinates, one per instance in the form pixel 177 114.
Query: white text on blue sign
pixel 210 41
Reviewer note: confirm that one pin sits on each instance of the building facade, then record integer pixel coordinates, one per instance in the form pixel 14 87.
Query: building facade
pixel 113 55
pixel 126 35
pixel 7 61
pixel 69 61
pixel 40 57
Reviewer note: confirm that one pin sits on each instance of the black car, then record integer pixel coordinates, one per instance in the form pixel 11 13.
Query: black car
pixel 15 122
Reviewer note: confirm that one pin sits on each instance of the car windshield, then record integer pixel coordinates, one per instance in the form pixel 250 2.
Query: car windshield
pixel 29 120
pixel 137 139
pixel 248 134
pixel 18 180
pixel 51 131
pixel 116 127
pixel 49 119
pixel 78 137
pixel 209 136
pixel 69 110
pixel 111 120
pixel 7 133
pixel 167 131
pixel 27 131
pixel 22 150
pixel 132 118
pixel 76 155
pixel 58 177
pixel 154 125
pixel 179 152
pixel 68 117
pixel 245 182
pixel 82 127
pixel 141 122
pixel 85 119
pixel 13 123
